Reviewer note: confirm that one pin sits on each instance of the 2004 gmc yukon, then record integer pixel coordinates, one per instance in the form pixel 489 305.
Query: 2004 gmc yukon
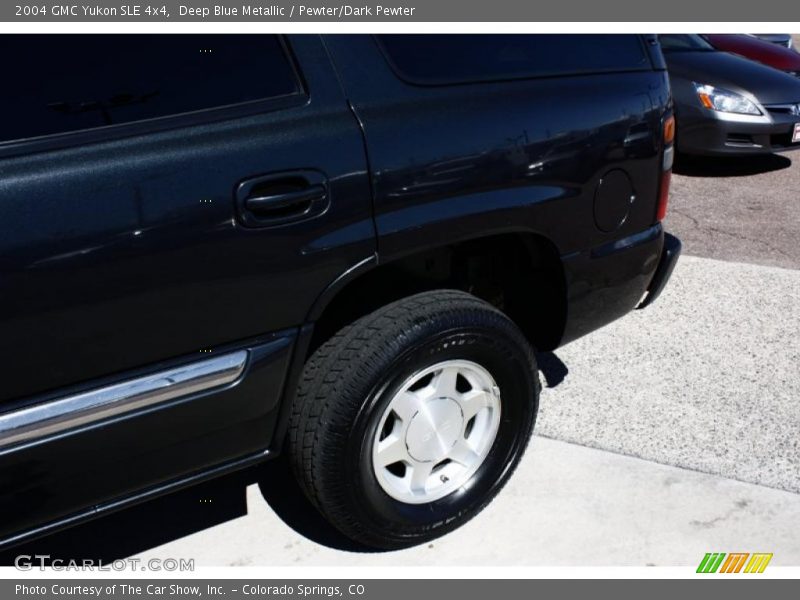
pixel 342 250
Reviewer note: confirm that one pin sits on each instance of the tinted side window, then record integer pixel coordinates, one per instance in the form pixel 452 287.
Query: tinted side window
pixel 442 59
pixel 59 83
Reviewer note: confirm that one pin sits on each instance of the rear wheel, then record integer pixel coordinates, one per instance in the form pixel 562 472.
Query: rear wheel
pixel 409 421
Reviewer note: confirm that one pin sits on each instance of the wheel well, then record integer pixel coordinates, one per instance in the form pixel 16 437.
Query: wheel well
pixel 521 274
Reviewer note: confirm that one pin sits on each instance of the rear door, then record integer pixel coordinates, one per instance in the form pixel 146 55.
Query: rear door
pixel 161 196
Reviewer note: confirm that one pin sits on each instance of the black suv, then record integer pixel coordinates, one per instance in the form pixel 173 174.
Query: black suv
pixel 339 249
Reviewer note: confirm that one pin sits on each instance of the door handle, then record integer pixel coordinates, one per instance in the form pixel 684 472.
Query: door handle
pixel 281 198
pixel 285 203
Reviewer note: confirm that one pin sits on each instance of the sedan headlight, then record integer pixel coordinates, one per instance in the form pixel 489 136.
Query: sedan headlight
pixel 725 101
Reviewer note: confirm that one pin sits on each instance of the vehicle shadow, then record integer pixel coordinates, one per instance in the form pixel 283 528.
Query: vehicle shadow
pixel 139 528
pixel 734 166
pixel 285 497
pixel 552 368
pixel 177 515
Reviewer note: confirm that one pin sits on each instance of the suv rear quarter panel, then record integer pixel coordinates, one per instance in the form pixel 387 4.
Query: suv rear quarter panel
pixel 453 162
pixel 442 153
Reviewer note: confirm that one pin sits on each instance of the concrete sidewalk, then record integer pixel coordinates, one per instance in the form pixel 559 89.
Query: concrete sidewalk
pixel 706 378
pixel 565 505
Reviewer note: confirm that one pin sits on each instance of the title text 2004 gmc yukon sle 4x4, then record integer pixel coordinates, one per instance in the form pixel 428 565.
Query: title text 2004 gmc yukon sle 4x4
pixel 342 250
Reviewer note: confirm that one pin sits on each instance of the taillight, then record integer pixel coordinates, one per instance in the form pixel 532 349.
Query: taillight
pixel 666 167
pixel 669 130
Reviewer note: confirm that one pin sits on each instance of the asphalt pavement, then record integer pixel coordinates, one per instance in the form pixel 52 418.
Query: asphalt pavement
pixel 741 210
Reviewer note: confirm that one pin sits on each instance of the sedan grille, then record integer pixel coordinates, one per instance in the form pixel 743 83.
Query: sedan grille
pixel 784 109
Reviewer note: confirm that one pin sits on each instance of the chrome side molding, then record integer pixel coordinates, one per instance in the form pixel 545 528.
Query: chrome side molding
pixel 57 416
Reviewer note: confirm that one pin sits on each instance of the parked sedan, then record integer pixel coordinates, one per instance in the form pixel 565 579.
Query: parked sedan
pixel 726 104
pixel 758 50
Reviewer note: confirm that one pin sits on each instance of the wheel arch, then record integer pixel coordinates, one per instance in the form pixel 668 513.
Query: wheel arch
pixel 519 272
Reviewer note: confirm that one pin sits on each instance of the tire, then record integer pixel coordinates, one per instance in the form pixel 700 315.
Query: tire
pixel 344 405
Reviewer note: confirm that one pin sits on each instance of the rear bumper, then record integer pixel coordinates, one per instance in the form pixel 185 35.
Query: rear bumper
pixel 607 282
pixel 666 264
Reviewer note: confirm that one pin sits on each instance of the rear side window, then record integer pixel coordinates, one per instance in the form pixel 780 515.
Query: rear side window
pixel 445 59
pixel 61 83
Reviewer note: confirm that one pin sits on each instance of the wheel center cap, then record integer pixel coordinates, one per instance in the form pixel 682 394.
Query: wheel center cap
pixel 434 430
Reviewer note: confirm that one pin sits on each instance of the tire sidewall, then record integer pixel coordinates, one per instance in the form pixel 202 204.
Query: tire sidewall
pixel 513 370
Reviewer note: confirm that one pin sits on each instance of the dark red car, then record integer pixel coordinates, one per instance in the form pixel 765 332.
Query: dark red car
pixel 757 50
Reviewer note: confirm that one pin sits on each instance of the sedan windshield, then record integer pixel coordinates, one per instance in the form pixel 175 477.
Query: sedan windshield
pixel 690 42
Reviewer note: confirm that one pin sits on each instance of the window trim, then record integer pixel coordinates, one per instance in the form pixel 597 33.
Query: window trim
pixel 405 78
pixel 203 116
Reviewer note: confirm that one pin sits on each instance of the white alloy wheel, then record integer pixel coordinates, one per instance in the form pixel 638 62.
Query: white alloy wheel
pixel 436 431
